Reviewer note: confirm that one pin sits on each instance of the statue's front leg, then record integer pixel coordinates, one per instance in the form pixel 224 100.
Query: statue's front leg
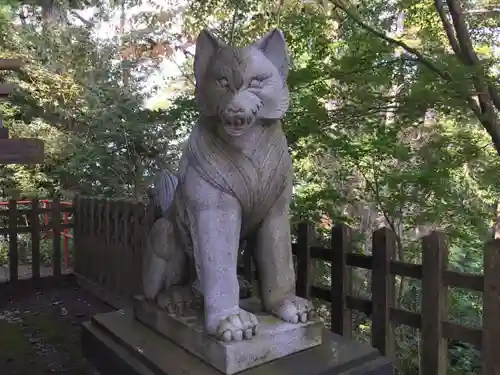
pixel 216 225
pixel 275 265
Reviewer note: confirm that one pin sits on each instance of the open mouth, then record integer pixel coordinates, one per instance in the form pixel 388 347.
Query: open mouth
pixel 234 131
pixel 235 126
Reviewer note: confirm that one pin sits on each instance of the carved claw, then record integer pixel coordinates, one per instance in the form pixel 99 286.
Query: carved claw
pixel 177 300
pixel 237 326
pixel 294 309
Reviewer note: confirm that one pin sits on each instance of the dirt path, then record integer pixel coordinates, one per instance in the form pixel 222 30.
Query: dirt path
pixel 40 330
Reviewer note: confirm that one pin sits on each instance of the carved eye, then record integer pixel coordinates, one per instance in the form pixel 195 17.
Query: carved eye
pixel 255 82
pixel 223 82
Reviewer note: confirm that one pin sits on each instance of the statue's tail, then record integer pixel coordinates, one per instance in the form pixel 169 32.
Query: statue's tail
pixel 162 194
pixel 160 257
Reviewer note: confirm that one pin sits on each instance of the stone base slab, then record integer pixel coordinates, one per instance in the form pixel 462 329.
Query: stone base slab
pixel 117 343
pixel 275 338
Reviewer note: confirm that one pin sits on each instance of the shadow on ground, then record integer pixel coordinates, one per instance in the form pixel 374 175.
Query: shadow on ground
pixel 40 329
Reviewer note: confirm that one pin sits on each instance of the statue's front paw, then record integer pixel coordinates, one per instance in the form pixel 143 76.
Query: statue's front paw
pixel 293 309
pixel 235 326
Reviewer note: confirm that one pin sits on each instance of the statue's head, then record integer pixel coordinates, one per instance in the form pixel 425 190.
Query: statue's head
pixel 241 85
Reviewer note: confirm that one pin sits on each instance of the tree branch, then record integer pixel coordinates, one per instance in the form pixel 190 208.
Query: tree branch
pixel 484 111
pixel 455 45
pixel 484 12
pixel 448 27
pixel 83 20
pixel 487 93
pixel 420 57
pixel 495 96
pixel 463 36
pixel 233 26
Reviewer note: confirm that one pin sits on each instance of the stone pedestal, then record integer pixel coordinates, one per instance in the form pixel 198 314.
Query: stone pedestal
pixel 117 343
pixel 275 339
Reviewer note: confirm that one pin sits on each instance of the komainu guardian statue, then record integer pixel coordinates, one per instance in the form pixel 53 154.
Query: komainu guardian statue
pixel 234 180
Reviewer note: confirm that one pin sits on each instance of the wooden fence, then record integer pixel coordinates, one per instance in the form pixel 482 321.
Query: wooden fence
pixel 435 328
pixel 51 223
pixel 109 237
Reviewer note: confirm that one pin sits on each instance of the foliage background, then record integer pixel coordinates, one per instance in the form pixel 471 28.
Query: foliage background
pixel 395 115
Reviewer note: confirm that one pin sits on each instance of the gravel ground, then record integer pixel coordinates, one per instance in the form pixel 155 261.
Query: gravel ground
pixel 40 329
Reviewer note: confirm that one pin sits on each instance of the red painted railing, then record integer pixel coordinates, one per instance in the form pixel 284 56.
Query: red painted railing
pixel 65 232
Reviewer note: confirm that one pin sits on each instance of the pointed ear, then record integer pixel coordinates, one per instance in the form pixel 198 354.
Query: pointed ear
pixel 273 46
pixel 206 46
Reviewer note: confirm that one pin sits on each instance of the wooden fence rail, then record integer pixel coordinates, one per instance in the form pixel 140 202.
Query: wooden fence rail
pixel 36 227
pixel 109 237
pixel 432 321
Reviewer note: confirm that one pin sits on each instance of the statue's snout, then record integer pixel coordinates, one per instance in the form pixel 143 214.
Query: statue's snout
pixel 234 109
pixel 237 117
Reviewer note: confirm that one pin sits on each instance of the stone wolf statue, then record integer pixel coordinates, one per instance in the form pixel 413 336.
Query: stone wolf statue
pixel 234 180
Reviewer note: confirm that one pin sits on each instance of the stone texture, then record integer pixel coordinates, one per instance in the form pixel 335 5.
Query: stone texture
pixel 116 343
pixel 275 338
pixel 234 181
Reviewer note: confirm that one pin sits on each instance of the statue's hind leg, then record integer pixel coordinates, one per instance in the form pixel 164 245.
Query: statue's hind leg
pixel 153 275
pixel 155 266
pixel 164 263
pixel 180 294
